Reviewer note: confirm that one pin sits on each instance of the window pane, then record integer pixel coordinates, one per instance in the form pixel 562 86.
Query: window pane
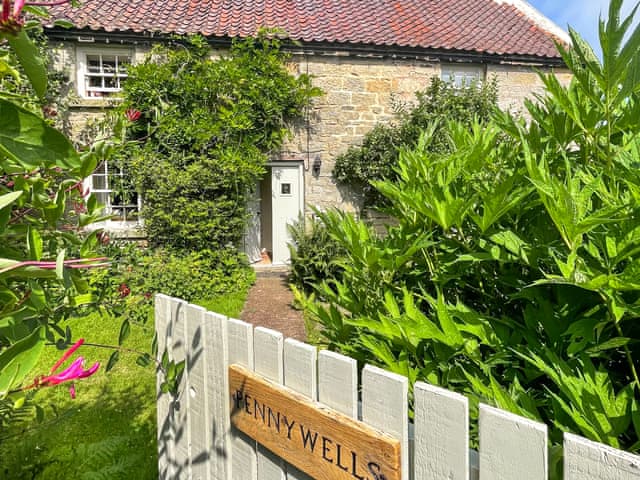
pixel 93 63
pixel 102 197
pixel 123 64
pixel 94 82
pixel 110 82
pixel 109 63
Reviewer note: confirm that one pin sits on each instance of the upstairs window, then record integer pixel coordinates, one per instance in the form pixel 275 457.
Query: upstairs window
pixel 102 72
pixel 462 75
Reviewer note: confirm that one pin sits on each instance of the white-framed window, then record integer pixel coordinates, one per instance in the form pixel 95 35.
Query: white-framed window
pixel 460 74
pixel 114 190
pixel 102 71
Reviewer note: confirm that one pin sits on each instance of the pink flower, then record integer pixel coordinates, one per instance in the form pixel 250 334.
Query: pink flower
pixel 132 114
pixel 74 371
pixel 10 20
pixel 124 290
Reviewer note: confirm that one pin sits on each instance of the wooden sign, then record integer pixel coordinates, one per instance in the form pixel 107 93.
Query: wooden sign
pixel 321 442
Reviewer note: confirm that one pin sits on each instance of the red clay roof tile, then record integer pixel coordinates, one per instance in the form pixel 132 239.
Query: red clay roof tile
pixel 482 26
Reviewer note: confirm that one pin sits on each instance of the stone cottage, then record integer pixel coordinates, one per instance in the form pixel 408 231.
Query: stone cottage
pixel 360 53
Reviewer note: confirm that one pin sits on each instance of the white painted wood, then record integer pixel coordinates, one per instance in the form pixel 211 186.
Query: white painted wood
pixel 301 375
pixel 385 407
pixel 441 422
pixel 338 382
pixel 240 343
pixel 165 434
pixel 269 354
pixel 199 419
pixel 243 449
pixel 511 447
pixel 216 344
pixel 588 460
pixel 181 404
pixel 300 368
pixel 269 362
pixel 285 207
pixel 252 240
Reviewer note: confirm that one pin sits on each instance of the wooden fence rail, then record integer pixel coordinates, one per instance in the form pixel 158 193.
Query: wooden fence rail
pixel 196 439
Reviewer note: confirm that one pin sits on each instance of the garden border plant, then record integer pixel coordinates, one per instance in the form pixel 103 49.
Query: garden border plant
pixel 375 160
pixel 512 272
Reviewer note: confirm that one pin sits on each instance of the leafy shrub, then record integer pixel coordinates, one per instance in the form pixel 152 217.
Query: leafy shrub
pixel 512 272
pixel 139 273
pixel 314 254
pixel 441 102
pixel 201 133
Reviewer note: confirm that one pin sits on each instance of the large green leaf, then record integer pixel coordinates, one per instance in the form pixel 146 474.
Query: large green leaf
pixel 31 61
pixel 8 199
pixel 28 140
pixel 17 360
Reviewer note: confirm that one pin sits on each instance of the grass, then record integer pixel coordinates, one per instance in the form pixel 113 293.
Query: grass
pixel 230 305
pixel 109 430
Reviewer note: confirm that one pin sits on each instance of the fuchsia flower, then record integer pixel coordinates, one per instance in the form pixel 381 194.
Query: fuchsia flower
pixel 124 290
pixel 10 18
pixel 74 371
pixel 132 114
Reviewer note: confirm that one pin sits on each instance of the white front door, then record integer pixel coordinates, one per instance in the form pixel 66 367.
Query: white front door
pixel 252 244
pixel 287 205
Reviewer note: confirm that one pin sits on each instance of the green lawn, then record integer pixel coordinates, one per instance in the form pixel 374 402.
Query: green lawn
pixel 109 427
pixel 109 430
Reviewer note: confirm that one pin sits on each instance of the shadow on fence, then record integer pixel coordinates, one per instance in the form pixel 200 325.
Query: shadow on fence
pixel 196 441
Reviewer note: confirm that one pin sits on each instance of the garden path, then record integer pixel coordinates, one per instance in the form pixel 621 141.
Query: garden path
pixel 269 304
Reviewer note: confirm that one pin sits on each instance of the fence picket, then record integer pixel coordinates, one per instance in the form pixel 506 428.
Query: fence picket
pixel 216 343
pixel 165 434
pixel 300 374
pixel 385 407
pixel 338 382
pixel 182 450
pixel 269 362
pixel 587 460
pixel 196 388
pixel 511 446
pixel 243 449
pixel 441 434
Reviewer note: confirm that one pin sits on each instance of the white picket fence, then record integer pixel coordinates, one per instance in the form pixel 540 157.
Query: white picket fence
pixel 196 440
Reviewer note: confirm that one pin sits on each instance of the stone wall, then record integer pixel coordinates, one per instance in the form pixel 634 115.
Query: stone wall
pixel 359 91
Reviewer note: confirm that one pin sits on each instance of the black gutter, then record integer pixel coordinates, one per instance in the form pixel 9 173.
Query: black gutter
pixel 308 48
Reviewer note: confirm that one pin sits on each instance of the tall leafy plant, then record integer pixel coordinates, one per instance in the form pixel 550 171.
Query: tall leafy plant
pixel 43 208
pixel 203 129
pixel 438 104
pixel 512 272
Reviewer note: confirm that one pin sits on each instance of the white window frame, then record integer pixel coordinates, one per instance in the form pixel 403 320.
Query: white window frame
pixel 82 70
pixel 121 220
pixel 461 74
